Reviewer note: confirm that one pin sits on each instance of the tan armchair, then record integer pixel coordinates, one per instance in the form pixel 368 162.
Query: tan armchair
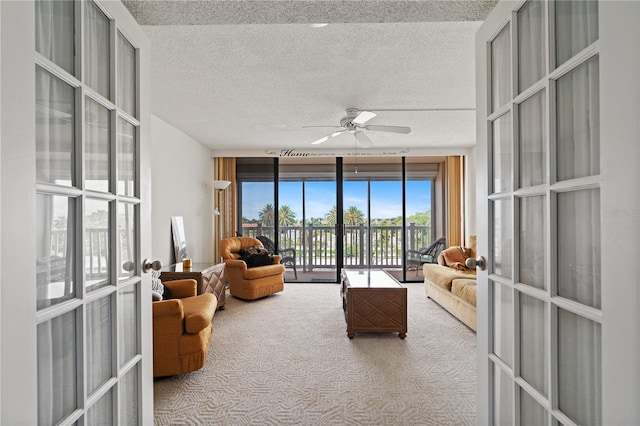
pixel 182 329
pixel 250 283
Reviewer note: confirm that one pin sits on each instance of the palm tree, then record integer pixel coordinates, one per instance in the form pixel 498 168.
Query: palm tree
pixel 353 216
pixel 266 215
pixel 332 216
pixel 286 216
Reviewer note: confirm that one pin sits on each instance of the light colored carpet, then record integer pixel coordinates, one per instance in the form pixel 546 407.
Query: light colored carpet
pixel 286 360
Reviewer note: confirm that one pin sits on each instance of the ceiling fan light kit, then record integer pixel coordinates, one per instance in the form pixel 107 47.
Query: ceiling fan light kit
pixel 355 120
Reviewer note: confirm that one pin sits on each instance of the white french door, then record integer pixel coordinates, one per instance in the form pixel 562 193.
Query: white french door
pixel 76 323
pixel 558 109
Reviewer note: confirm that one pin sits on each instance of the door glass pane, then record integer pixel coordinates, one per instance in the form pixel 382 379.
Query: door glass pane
pixel 532 241
pixel 290 213
pixel 128 298
pixel 419 196
pixel 502 397
pixel 98 336
pixel 97 133
pixel 579 368
pixel 57 366
pixel 502 152
pixel 576 27
pixel 501 69
pixel 96 244
pixel 532 131
pixel 129 398
pixel 356 194
pixel 55 31
pixel 385 226
pixel 96 49
pixel 531 413
pixel 55 234
pixel 55 139
pixel 502 319
pixel 320 222
pixel 533 349
pixel 126 75
pixel 101 413
pixel 579 246
pixel 531 44
pixel 502 212
pixel 578 122
pixel 126 158
pixel 126 241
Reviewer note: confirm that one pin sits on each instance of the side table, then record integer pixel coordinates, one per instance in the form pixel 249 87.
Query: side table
pixel 210 278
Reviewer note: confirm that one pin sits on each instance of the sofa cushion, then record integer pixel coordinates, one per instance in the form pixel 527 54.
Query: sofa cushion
pixel 198 311
pixel 464 289
pixel 442 276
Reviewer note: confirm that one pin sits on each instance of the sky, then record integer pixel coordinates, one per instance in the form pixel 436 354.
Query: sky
pixel 386 197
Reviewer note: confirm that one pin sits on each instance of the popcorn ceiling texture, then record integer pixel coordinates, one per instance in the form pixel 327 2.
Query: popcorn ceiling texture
pixel 151 12
pixel 244 77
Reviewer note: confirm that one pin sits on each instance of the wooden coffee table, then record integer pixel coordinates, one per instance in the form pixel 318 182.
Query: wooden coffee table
pixel 373 301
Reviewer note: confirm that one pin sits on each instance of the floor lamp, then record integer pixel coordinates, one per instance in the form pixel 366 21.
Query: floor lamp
pixel 217 186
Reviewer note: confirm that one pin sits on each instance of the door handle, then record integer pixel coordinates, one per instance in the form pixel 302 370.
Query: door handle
pixel 478 262
pixel 147 265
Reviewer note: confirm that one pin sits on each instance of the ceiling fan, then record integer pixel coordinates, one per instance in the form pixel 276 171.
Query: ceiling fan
pixel 353 122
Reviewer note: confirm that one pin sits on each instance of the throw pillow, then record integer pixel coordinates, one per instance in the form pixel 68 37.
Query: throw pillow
pixel 158 290
pixel 257 260
pixel 456 256
pixel 251 251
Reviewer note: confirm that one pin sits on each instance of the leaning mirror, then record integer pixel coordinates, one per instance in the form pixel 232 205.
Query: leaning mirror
pixel 179 240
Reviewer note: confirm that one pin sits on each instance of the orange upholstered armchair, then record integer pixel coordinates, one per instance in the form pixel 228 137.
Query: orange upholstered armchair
pixel 182 329
pixel 245 282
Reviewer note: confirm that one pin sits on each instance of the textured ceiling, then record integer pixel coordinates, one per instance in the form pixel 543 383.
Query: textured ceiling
pixel 245 76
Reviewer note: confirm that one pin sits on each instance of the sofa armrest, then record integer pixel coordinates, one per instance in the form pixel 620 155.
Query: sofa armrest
pixel 182 288
pixel 168 308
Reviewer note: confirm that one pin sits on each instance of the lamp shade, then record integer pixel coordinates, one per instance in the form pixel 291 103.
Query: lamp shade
pixel 219 184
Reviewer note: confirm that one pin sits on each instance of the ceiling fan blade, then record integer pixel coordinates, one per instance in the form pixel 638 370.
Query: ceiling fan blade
pixel 335 127
pixel 326 138
pixel 363 139
pixel 392 129
pixel 363 117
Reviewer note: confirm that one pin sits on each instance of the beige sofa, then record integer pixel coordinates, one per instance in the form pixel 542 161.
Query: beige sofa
pixel 453 289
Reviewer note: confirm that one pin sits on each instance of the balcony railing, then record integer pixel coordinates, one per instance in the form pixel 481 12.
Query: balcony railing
pixel 375 246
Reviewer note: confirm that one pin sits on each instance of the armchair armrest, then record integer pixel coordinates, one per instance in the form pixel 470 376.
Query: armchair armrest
pixel 236 264
pixel 288 250
pixel 168 308
pixel 182 288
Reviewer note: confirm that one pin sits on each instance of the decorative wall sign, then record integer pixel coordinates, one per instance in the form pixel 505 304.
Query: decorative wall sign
pixel 308 153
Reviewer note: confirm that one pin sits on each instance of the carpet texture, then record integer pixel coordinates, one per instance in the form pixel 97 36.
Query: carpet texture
pixel 286 360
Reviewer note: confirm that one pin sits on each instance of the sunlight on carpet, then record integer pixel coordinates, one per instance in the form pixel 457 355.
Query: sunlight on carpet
pixel 286 360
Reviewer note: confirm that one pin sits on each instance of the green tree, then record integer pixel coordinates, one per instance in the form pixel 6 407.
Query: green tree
pixel 331 217
pixel 353 216
pixel 266 215
pixel 286 216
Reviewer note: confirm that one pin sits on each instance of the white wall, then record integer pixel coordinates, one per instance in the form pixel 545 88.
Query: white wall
pixel 181 167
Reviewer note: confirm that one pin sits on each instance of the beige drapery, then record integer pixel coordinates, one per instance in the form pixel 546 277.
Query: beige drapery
pixel 225 223
pixel 455 200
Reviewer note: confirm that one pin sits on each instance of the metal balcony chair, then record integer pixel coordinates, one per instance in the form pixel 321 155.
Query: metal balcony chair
pixel 416 258
pixel 288 254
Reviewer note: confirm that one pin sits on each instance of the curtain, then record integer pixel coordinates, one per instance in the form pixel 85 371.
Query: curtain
pixel 96 49
pixel 225 224
pixel 54 32
pixel 455 192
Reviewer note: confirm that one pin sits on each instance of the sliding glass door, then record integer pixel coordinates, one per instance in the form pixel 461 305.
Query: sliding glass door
pixel 325 214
